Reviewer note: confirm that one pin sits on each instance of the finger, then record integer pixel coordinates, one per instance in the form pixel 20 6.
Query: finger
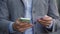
pixel 42 21
pixel 39 20
pixel 47 18
pixel 46 21
pixel 23 24
pixel 47 24
pixel 17 22
pixel 28 25
pixel 22 29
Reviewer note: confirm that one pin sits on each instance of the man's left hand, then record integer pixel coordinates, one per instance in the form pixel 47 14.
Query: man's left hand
pixel 45 21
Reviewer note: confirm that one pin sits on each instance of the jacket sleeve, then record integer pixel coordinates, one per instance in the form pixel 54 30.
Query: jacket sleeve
pixel 4 17
pixel 53 12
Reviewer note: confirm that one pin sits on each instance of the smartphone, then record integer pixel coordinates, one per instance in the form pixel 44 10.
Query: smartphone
pixel 25 20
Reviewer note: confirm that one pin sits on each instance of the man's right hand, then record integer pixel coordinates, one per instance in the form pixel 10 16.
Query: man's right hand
pixel 21 26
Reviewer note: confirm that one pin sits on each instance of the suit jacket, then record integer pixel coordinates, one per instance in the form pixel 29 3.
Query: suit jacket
pixel 10 10
pixel 58 2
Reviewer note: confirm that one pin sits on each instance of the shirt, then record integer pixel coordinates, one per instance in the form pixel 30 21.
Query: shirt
pixel 28 7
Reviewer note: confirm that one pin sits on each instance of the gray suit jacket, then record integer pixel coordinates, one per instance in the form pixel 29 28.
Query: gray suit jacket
pixel 10 10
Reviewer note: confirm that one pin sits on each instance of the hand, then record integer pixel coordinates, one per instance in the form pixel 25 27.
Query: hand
pixel 45 21
pixel 21 26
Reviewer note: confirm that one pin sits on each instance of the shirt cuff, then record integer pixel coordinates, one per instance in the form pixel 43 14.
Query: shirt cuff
pixel 11 28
